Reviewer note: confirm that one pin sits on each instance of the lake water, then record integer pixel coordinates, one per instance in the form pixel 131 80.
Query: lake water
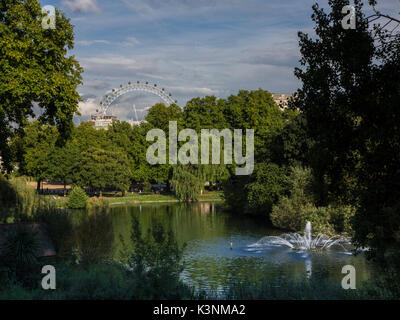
pixel 208 232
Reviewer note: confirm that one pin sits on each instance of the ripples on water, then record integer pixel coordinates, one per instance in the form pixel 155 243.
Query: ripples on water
pixel 210 264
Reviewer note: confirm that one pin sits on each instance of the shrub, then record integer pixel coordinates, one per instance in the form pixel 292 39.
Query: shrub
pixel 146 187
pixel 287 214
pixel 157 262
pixel 97 204
pixel 19 252
pixel 264 191
pixel 77 199
pixel 320 219
pixel 99 281
pixel 292 212
pixel 341 218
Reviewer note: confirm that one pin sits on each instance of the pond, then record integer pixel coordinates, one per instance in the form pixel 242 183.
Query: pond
pixel 209 261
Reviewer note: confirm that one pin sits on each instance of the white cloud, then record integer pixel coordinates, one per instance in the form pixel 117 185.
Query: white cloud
pixel 90 42
pixel 82 5
pixel 130 42
pixel 88 107
pixel 193 91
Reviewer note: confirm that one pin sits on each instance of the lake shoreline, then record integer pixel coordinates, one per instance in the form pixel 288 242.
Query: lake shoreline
pixel 130 199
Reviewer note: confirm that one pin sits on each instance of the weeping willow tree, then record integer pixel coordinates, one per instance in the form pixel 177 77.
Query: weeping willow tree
pixel 186 182
pixel 18 199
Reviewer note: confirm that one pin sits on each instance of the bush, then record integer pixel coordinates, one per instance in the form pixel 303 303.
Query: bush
pixel 320 218
pixel 77 199
pixel 341 218
pixel 264 191
pixel 289 213
pixel 18 255
pixel 156 260
pixel 99 281
pixel 290 289
pixel 97 204
pixel 293 212
pixel 147 187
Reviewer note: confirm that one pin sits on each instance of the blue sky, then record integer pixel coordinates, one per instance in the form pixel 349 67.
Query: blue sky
pixel 190 47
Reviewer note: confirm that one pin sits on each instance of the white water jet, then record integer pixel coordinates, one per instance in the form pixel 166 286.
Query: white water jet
pixel 303 242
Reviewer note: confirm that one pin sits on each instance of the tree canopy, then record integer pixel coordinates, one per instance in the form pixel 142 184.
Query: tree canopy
pixel 36 71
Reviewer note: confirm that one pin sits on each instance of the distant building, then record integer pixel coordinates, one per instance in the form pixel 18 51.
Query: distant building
pixel 102 121
pixel 281 99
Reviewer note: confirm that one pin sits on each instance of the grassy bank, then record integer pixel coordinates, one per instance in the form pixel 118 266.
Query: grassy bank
pixel 137 198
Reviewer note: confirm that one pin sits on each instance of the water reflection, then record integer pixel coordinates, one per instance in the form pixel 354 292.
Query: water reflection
pixel 210 263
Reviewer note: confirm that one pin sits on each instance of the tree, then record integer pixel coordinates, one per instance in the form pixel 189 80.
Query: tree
pixel 186 183
pixel 255 110
pixel 292 146
pixel 141 169
pixel 205 113
pixel 61 162
pixel 350 98
pixel 266 185
pixel 38 144
pixel 98 168
pixel 35 67
pixel 159 116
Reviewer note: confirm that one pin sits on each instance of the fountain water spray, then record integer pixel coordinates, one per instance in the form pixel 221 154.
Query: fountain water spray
pixel 303 242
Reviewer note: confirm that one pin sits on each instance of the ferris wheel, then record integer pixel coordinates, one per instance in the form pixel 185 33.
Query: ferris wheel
pixel 111 97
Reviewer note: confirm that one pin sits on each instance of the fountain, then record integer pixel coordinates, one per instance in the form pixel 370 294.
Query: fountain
pixel 296 241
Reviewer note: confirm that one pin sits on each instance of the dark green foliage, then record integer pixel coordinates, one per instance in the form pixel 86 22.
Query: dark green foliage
pixel 98 168
pixel 96 282
pixel 147 186
pixel 94 238
pixel 294 210
pixel 350 98
pixel 292 147
pixel 234 195
pixel 36 67
pixel 18 200
pixel 77 199
pixel 18 255
pixel 284 289
pixel 257 193
pixel 8 199
pixel 156 260
pixel 267 184
pixel 60 229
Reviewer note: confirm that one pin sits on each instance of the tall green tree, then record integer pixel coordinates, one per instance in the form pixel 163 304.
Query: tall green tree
pixel 38 145
pixel 99 168
pixel 255 110
pixel 35 67
pixel 350 97
pixel 61 163
pixel 159 117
